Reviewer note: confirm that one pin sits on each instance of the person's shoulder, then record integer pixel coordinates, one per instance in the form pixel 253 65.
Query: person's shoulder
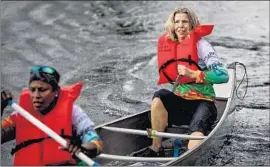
pixel 163 38
pixel 204 46
pixel 77 108
pixel 203 42
pixel 78 112
pixel 80 120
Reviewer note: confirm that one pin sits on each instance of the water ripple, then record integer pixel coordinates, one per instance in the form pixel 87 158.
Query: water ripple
pixel 230 42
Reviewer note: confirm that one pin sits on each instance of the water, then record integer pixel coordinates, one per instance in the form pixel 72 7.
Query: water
pixel 111 46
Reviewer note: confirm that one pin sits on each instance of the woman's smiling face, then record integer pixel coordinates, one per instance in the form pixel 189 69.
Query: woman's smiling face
pixel 181 25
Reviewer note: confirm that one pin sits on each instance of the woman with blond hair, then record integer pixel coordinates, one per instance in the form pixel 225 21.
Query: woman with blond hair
pixel 186 58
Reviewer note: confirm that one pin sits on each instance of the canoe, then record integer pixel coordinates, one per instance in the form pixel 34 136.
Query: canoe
pixel 126 135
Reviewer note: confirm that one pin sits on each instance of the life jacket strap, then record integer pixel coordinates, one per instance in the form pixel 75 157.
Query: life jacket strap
pixel 25 144
pixel 164 66
pixel 190 62
pixel 32 141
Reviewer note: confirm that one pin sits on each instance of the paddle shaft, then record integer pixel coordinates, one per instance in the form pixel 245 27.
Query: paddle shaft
pixel 50 133
pixel 176 83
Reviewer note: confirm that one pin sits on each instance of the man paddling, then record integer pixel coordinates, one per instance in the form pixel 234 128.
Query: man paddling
pixel 54 106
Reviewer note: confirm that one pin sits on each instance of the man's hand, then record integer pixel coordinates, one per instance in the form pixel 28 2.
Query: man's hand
pixel 5 96
pixel 74 147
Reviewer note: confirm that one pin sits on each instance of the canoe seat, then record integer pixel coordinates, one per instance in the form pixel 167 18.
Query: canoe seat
pixel 180 129
pixel 184 129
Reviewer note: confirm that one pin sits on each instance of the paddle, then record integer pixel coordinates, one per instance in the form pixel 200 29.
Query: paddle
pixel 176 83
pixel 49 132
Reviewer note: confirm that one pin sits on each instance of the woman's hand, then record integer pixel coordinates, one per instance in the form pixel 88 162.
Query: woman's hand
pixel 184 71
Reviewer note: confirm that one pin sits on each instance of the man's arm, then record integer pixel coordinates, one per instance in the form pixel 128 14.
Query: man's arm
pixel 5 96
pixel 8 128
pixel 85 129
pixel 8 134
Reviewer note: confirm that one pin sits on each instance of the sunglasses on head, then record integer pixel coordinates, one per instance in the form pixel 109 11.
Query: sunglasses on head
pixel 45 69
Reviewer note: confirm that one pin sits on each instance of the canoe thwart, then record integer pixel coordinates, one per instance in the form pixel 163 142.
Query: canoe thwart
pixel 152 133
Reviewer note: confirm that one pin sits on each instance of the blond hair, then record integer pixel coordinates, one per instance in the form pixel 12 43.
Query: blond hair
pixel 169 26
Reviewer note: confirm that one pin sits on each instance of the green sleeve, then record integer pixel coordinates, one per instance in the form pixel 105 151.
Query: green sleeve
pixel 216 74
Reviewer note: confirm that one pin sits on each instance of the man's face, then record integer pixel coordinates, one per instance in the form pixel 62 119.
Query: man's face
pixel 41 94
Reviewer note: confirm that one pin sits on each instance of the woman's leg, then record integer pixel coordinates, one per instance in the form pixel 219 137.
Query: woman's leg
pixel 159 120
pixel 202 120
pixel 167 108
pixel 193 143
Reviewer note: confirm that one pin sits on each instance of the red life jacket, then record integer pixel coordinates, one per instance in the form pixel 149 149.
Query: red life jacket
pixel 59 119
pixel 171 53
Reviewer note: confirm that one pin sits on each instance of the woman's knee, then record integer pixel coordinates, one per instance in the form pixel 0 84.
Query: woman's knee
pixel 208 111
pixel 161 93
pixel 203 118
pixel 156 103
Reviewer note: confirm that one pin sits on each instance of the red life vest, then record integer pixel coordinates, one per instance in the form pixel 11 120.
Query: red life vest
pixel 171 53
pixel 46 152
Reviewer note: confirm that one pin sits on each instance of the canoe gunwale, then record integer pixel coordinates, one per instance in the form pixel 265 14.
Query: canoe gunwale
pixel 135 159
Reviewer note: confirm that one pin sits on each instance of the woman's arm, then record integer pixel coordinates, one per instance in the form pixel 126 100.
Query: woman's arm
pixel 216 72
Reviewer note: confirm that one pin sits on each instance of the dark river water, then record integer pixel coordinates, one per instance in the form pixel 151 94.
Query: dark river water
pixel 111 46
